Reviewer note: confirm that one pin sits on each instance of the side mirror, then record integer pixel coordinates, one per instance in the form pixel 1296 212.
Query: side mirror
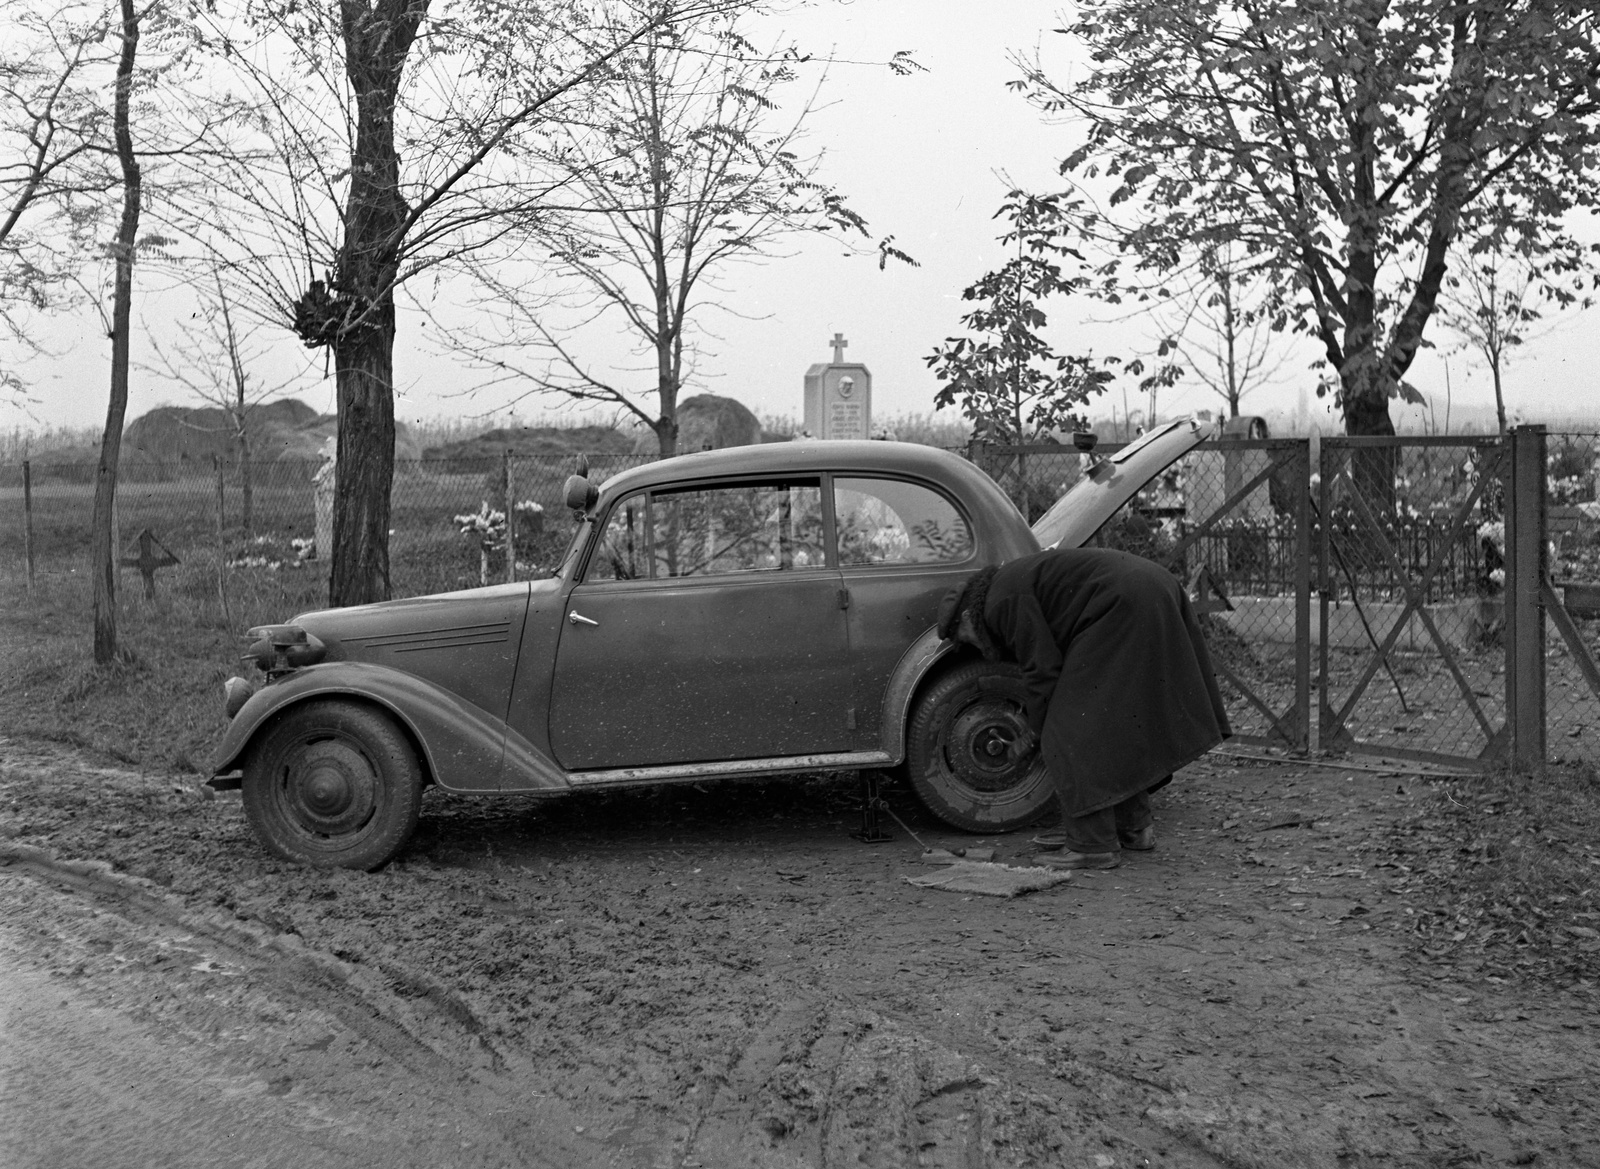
pixel 580 493
pixel 1085 440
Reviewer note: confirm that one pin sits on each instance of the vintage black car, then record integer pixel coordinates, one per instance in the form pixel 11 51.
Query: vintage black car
pixel 757 611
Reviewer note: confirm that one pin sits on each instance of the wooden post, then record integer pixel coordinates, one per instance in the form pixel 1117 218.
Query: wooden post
pixel 27 519
pixel 1525 573
pixel 222 542
pixel 1300 476
pixel 511 518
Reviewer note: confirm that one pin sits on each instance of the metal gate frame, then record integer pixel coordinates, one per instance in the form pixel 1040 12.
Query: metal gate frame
pixel 1333 731
pixel 1290 728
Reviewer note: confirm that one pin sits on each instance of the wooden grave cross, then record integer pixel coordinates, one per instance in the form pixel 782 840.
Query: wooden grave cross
pixel 147 561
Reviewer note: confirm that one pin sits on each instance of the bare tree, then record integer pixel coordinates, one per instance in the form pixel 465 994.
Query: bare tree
pixel 385 147
pixel 682 165
pixel 105 489
pixel 215 357
pixel 51 123
pixel 1217 330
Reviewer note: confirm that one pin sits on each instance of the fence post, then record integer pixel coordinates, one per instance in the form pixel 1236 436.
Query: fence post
pixel 27 519
pixel 1301 477
pixel 511 520
pixel 1525 571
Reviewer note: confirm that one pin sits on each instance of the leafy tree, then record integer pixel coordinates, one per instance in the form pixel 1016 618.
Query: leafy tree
pixel 682 165
pixel 1345 144
pixel 1005 376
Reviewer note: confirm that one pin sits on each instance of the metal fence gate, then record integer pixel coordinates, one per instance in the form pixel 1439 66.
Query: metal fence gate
pixel 1411 578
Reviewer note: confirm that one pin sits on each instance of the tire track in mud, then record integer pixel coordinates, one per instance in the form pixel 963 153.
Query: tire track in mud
pixel 833 1084
pixel 820 1083
pixel 430 1035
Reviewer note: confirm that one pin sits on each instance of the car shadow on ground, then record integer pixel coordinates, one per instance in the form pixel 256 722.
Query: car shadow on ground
pixel 470 830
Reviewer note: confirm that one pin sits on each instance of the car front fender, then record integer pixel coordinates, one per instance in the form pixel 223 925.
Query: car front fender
pixel 914 665
pixel 464 748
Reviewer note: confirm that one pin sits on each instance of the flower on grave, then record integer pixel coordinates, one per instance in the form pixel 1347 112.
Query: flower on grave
pixel 304 547
pixel 1493 534
pixel 486 524
pixel 529 508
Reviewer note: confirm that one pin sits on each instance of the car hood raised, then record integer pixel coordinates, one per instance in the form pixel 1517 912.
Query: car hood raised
pixel 1114 480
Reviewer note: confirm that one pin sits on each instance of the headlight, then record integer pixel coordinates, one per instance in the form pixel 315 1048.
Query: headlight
pixel 277 649
pixel 235 693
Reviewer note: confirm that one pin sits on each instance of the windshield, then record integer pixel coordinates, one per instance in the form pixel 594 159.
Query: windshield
pixel 580 536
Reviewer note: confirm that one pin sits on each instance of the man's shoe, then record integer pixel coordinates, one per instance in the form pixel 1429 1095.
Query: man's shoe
pixel 1050 841
pixel 1079 860
pixel 1141 841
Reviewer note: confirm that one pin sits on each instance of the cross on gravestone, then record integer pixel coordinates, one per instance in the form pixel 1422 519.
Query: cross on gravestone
pixel 147 561
pixel 839 344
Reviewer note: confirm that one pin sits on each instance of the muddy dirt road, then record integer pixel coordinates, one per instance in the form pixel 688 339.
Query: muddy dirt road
pixel 726 978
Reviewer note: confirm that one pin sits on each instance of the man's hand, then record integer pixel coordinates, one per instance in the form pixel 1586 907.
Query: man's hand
pixel 1024 745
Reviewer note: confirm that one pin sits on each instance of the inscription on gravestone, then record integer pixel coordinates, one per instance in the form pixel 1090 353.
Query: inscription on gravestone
pixel 838 397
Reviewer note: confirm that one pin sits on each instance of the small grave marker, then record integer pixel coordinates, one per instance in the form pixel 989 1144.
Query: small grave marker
pixel 147 561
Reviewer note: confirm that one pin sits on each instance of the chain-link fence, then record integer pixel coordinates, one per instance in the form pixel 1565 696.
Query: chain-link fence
pixel 277 516
pixel 1403 540
pixel 1572 527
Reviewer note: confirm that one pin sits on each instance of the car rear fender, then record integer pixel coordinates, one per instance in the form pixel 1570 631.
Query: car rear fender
pixel 909 673
pixel 463 747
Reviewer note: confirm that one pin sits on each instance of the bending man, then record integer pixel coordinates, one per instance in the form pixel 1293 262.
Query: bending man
pixel 1121 691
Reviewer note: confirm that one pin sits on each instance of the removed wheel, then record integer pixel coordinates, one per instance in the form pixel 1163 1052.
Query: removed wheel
pixel 333 783
pixel 962 754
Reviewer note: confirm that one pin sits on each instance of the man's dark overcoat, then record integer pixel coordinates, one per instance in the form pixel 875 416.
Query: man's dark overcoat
pixel 1120 686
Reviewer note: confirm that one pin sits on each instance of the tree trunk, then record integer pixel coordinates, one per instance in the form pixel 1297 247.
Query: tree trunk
pixel 1372 469
pixel 365 458
pixel 105 488
pixel 377 38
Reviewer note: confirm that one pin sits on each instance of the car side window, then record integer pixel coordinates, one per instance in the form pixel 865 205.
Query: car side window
pixel 887 521
pixel 623 550
pixel 755 527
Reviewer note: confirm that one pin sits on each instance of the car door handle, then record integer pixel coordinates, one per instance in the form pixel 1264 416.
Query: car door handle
pixel 577 618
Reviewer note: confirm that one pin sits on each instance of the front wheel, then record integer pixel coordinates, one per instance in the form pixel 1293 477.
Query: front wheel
pixel 962 753
pixel 333 783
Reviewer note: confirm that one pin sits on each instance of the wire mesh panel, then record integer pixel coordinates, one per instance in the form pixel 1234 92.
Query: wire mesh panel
pixel 1411 545
pixel 1232 520
pixel 1572 635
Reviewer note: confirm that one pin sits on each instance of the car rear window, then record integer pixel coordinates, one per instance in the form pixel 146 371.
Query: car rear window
pixel 892 522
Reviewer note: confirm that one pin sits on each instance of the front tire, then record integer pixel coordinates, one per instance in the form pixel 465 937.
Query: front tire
pixel 333 784
pixel 961 755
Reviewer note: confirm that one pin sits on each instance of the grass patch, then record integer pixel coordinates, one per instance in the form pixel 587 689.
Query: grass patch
pixel 159 704
pixel 1512 868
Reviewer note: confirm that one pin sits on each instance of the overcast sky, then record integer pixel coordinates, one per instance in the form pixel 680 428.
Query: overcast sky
pixel 926 158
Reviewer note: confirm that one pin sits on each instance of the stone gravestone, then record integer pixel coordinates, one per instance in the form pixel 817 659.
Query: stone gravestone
pixel 838 397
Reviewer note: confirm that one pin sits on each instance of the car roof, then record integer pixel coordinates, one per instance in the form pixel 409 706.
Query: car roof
pixel 867 457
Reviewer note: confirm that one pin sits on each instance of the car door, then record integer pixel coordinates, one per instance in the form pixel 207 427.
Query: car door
pixel 902 545
pixel 708 625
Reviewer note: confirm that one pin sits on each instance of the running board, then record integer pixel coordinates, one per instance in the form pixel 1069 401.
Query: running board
pixel 636 776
